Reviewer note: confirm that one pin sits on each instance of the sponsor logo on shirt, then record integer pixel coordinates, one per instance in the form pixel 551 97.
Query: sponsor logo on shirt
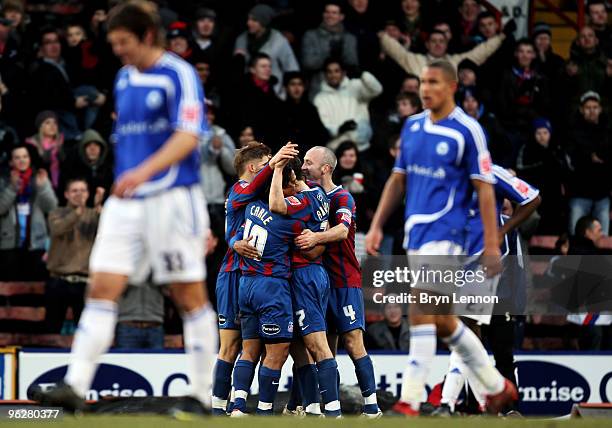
pixel 143 127
pixel 427 171
pixel 293 200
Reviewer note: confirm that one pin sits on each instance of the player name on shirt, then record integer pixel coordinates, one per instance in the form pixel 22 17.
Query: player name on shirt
pixel 261 214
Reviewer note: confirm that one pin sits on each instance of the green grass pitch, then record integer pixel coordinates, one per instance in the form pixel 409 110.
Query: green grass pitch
pixel 283 422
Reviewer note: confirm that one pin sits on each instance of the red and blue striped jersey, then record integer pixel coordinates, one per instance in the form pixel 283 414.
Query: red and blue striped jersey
pixel 314 202
pixel 340 260
pixel 272 234
pixel 240 195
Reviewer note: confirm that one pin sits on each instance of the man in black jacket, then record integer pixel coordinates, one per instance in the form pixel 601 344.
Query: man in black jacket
pixel 304 126
pixel 590 151
pixel 50 86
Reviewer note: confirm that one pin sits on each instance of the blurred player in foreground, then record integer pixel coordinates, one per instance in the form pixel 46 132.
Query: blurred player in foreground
pixel 156 217
pixel 443 158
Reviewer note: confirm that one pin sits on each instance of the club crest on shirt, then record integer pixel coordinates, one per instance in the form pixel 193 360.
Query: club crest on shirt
pixel 153 100
pixel 442 148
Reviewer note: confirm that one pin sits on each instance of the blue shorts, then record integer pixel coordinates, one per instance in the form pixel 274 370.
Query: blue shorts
pixel 265 308
pixel 345 310
pixel 310 295
pixel 227 300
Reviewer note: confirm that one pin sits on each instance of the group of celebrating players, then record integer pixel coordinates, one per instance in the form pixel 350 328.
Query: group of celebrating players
pixel 290 273
pixel 290 282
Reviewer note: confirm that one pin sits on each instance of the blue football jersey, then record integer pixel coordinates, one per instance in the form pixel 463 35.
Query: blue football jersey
pixel 240 195
pixel 151 105
pixel 273 234
pixel 311 206
pixel 507 186
pixel 439 159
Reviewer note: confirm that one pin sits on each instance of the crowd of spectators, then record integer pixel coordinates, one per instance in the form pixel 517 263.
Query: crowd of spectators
pixel 337 73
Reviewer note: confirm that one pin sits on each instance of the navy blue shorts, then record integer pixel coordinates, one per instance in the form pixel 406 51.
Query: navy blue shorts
pixel 227 300
pixel 345 310
pixel 265 308
pixel 310 295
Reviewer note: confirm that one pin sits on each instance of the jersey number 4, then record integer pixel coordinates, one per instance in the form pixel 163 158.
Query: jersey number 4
pixel 259 234
pixel 349 312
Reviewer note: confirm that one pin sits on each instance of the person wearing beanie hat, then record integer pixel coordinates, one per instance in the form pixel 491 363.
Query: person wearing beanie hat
pixel 214 42
pixel 48 142
pixel 590 151
pixel 543 163
pixel 547 63
pixel 179 41
pixel 259 37
pixel 542 122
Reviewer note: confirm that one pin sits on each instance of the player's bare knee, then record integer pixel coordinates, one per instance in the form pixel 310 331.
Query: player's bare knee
pixel 229 349
pixel 276 355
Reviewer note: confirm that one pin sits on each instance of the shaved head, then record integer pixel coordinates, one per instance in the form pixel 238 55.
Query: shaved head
pixel 328 157
pixel 318 162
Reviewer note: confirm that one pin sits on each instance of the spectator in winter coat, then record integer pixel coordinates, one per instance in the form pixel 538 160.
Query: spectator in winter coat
pixel 437 47
pixel 362 21
pixel 329 40
pixel 214 41
pixel 25 199
pixel 217 163
pixel 523 94
pixel 259 37
pixel 547 63
pixel 304 125
pixel 354 177
pixel 82 66
pixel 49 142
pixel 392 333
pixel 542 163
pixel 179 42
pixel 257 104
pixel 92 162
pixel 471 101
pixel 586 68
pixel 342 104
pixel 590 151
pixel 72 229
pixel 51 88
pixel 598 20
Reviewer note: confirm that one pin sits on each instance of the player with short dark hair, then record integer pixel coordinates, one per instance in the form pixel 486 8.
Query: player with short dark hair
pixel 310 293
pixel 156 218
pixel 266 315
pixel 254 168
pixel 443 160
